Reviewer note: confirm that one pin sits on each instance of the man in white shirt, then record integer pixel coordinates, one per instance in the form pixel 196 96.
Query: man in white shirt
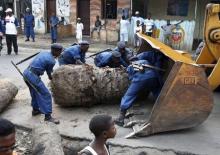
pixel 149 25
pixel 11 24
pixel 124 25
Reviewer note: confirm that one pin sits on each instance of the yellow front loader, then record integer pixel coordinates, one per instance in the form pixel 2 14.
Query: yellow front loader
pixel 186 99
pixel 210 53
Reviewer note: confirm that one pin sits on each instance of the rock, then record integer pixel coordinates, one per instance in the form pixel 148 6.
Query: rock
pixel 7 92
pixel 83 85
pixel 47 140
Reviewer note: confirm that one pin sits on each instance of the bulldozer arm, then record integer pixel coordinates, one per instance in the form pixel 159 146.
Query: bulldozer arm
pixel 186 99
pixel 210 53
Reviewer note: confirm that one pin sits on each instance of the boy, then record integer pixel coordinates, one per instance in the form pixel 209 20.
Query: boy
pixel 79 29
pixel 7 137
pixel 97 27
pixel 41 97
pixel 103 128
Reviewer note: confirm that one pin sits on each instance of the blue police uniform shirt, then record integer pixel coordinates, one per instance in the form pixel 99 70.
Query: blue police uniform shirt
pixel 155 58
pixel 73 53
pixel 1 27
pixel 28 20
pixel 105 59
pixel 127 55
pixel 136 76
pixel 44 61
pixel 54 20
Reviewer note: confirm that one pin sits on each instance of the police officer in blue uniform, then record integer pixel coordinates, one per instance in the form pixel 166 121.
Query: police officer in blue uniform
pixel 1 35
pixel 144 80
pixel 126 53
pixel 110 59
pixel 74 54
pixel 29 25
pixel 41 97
pixel 54 21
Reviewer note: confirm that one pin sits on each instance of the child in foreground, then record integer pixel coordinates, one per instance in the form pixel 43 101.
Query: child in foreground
pixel 103 128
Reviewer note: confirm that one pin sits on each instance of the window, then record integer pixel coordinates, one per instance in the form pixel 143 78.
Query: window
pixel 109 9
pixel 178 7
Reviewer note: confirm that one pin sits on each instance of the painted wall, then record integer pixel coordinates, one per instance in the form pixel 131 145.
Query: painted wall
pixel 158 8
pixel 63 10
pixel 38 9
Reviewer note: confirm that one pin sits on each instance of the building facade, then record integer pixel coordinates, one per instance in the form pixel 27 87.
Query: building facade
pixel 192 12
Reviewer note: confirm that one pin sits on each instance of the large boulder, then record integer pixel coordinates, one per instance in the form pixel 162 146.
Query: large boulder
pixel 46 140
pixel 83 85
pixel 7 92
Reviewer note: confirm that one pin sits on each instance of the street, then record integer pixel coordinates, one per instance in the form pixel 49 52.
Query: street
pixel 74 121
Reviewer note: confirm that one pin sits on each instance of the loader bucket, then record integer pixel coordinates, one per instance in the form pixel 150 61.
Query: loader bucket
pixel 186 99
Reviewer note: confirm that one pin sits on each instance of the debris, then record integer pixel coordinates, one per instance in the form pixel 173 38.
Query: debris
pixel 47 140
pixel 84 85
pixel 7 92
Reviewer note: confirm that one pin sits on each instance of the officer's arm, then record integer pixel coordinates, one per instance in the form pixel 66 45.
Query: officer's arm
pixel 123 63
pixel 33 22
pixel 79 62
pixel 49 70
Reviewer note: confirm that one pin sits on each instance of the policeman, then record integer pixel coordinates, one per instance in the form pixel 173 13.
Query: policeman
pixel 1 35
pixel 126 53
pixel 29 25
pixel 154 57
pixel 54 21
pixel 110 59
pixel 41 97
pixel 74 54
pixel 144 80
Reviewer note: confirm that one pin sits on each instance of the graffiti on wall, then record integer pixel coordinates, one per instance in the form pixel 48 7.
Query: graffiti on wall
pixel 38 12
pixel 63 9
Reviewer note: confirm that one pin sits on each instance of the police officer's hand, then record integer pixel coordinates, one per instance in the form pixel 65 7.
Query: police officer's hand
pixel 78 62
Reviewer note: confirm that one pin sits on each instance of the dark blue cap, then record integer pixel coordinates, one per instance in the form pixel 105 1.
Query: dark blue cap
pixel 56 46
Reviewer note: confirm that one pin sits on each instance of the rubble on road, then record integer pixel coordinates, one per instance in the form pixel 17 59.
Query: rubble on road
pixel 84 85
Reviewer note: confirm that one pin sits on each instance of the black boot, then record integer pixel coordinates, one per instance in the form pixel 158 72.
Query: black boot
pixel 49 118
pixel 35 112
pixel 27 40
pixel 120 120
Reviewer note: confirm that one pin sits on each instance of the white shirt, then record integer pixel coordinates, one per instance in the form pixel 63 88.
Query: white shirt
pixel 124 25
pixel 79 27
pixel 138 29
pixel 149 25
pixel 135 19
pixel 10 27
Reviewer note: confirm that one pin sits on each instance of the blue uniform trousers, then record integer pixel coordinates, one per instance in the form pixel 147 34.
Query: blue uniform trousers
pixel 53 33
pixel 29 31
pixel 148 85
pixel 42 99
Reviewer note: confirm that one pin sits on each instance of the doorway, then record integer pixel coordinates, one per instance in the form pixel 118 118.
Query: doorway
pixel 141 6
pixel 51 8
pixel 84 14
